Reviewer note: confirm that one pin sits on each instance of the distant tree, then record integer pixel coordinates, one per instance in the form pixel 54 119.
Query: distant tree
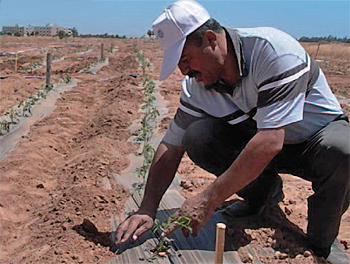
pixel 150 33
pixel 17 34
pixel 74 32
pixel 345 39
pixel 329 38
pixel 62 34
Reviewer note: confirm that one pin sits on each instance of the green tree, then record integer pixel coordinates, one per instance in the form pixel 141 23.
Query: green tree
pixel 75 32
pixel 62 34
pixel 150 33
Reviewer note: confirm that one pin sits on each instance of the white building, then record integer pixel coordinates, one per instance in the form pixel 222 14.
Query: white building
pixel 18 30
pixel 48 30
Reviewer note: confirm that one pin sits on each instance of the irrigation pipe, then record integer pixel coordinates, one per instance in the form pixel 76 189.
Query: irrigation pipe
pixel 44 108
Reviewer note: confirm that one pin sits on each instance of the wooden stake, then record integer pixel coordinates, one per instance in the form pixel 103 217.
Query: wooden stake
pixel 16 62
pixel 318 47
pixel 102 51
pixel 48 69
pixel 220 243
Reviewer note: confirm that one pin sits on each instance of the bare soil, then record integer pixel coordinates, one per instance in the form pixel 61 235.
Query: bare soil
pixel 54 206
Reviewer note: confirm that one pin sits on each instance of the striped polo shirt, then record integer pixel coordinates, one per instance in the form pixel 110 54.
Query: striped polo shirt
pixel 279 86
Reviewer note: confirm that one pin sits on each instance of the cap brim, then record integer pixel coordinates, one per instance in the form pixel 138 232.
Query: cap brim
pixel 171 59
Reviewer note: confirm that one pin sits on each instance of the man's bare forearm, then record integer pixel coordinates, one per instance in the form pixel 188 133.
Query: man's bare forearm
pixel 162 171
pixel 254 158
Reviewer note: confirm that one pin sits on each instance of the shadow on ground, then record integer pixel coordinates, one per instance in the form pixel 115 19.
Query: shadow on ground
pixel 278 232
pixel 281 234
pixel 88 230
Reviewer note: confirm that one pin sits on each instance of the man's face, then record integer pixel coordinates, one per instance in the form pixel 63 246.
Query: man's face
pixel 203 62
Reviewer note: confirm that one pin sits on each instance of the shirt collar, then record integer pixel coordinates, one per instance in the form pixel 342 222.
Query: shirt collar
pixel 238 49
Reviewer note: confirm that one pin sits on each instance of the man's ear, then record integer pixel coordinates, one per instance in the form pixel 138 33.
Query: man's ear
pixel 211 38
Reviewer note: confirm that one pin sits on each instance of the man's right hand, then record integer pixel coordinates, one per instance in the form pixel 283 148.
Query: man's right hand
pixel 134 226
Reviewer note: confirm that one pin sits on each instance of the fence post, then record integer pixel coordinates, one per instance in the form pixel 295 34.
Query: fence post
pixel 16 62
pixel 48 69
pixel 318 47
pixel 102 51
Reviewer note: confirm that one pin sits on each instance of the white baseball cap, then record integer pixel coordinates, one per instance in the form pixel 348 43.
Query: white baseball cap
pixel 173 26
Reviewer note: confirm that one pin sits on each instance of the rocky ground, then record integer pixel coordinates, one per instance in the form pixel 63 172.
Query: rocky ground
pixel 54 207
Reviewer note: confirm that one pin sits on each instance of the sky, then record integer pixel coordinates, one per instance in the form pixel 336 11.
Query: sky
pixel 134 18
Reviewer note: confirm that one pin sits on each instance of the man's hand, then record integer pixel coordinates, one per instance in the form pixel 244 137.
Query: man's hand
pixel 134 226
pixel 199 208
pixel 162 171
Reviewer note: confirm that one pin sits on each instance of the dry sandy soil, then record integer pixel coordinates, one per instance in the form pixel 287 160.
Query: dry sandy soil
pixel 53 204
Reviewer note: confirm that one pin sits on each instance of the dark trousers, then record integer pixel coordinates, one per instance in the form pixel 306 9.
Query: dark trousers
pixel 324 160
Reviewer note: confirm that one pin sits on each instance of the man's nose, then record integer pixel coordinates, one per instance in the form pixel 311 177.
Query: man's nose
pixel 184 68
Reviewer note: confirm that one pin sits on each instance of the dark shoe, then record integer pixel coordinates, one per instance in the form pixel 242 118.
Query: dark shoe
pixel 337 255
pixel 247 208
pixel 240 209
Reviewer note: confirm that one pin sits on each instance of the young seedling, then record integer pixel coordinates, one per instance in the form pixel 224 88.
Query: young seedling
pixel 149 115
pixel 88 67
pixel 48 88
pixel 101 60
pixel 145 131
pixel 148 153
pixel 12 114
pixel 141 172
pixel 111 49
pixel 148 87
pixel 145 64
pixel 5 126
pixel 56 57
pixel 27 107
pixel 153 113
pixel 135 48
pixel 67 78
pixel 139 55
pixel 32 99
pixel 182 221
pixel 41 94
pixel 31 66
